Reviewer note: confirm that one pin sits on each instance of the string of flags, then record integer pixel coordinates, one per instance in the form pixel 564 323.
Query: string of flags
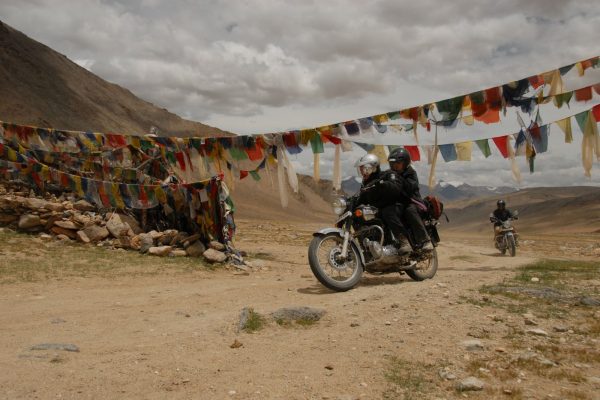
pixel 127 169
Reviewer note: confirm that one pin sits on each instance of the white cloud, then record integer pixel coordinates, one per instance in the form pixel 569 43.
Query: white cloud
pixel 260 66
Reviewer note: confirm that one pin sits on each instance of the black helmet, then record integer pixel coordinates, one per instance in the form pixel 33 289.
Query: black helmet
pixel 399 154
pixel 501 203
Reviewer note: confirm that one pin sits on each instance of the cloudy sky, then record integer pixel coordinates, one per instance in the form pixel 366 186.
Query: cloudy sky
pixel 261 66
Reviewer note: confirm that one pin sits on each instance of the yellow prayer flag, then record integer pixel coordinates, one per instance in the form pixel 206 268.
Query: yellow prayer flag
pixel 117 195
pixel 463 151
pixel 381 118
pixel 469 120
pixel 379 151
pixel 565 125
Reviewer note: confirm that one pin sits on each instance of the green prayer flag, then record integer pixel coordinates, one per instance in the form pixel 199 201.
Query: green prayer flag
pixel 255 175
pixel 484 146
pixel 316 144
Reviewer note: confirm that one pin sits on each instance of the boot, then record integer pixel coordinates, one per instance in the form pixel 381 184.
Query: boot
pixel 403 245
pixel 427 246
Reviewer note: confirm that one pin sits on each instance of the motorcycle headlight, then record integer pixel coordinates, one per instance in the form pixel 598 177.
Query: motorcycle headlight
pixel 339 206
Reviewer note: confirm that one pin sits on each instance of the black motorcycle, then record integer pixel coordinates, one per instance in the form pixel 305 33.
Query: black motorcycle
pixel 362 242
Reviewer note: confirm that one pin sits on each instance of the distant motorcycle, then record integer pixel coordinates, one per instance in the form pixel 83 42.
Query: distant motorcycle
pixel 505 236
pixel 361 242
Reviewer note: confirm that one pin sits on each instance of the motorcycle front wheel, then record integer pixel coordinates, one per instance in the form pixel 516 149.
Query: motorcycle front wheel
pixel 324 258
pixel 424 269
pixel 512 246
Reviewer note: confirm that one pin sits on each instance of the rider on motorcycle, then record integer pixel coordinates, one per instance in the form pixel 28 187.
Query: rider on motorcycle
pixel 384 188
pixel 501 214
pixel 400 160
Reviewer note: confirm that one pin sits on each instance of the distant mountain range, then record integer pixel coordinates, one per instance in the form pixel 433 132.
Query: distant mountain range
pixel 446 191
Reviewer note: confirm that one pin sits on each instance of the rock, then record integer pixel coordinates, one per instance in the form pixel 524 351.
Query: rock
pixel 132 222
pixel 167 237
pixel 530 355
pixel 560 328
pixel 63 238
pixel 472 345
pixel 178 253
pixel 298 314
pixel 214 256
pixel 156 235
pixel 470 384
pixel 96 233
pixel 329 367
pixel 179 238
pixel 191 239
pixel 534 279
pixel 530 321
pixel 28 221
pixel 195 249
pixel 66 225
pixel 235 344
pixel 537 332
pixel 71 234
pixel 446 374
pixel 83 205
pixel 160 251
pixel 45 237
pixel 116 227
pixel 82 237
pixel 216 245
pixel 145 242
pixel 55 346
pixel 244 316
pixel 354 324
pixel 585 300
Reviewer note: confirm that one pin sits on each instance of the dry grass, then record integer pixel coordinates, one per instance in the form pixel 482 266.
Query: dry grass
pixel 26 258
pixel 408 380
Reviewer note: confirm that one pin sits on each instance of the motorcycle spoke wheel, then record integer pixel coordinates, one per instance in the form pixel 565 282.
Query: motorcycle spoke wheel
pixel 328 254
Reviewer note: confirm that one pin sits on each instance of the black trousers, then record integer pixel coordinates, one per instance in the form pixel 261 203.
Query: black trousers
pixel 414 221
pixel 392 217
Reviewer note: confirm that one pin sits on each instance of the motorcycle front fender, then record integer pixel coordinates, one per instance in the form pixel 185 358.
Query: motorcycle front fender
pixel 326 231
pixel 354 243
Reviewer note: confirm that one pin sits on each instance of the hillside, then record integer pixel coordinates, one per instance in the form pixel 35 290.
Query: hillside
pixel 43 88
pixel 557 210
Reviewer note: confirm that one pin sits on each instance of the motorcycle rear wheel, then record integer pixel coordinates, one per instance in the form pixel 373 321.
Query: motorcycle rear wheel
pixel 322 259
pixel 425 271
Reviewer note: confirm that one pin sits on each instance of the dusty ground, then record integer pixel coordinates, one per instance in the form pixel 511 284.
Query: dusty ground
pixel 154 328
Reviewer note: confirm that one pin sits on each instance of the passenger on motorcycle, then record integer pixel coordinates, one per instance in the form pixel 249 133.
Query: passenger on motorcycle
pixel 383 190
pixel 501 214
pixel 400 160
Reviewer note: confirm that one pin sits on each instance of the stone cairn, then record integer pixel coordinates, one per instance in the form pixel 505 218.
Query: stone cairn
pixel 77 220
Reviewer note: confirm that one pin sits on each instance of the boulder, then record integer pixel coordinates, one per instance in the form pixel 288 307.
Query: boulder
pixel 298 314
pixel 82 237
pixel 146 242
pixel 71 234
pixel 191 240
pixel 116 227
pixel 470 384
pixel 132 222
pixel 156 235
pixel 27 221
pixel 214 256
pixel 83 220
pixel 83 205
pixel 96 233
pixel 178 253
pixel 196 249
pixel 160 251
pixel 216 245
pixel 167 237
pixel 179 238
pixel 66 225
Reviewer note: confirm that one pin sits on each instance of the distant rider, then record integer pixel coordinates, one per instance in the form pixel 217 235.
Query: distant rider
pixel 500 215
pixel 383 188
pixel 400 162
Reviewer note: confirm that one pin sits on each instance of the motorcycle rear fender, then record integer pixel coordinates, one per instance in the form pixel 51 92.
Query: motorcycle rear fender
pixel 340 232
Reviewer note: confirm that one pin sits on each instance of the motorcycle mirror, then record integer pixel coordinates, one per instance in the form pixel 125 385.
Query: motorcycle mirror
pixel 516 213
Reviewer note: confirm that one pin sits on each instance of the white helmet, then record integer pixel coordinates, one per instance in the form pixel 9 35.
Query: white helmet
pixel 367 164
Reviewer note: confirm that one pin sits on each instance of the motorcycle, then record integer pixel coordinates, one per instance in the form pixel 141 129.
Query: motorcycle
pixel 361 242
pixel 505 237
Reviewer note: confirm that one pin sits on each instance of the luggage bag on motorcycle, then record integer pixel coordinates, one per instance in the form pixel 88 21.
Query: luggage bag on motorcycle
pixel 435 208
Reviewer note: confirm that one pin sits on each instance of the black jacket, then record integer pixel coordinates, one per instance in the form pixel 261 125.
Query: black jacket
pixel 410 186
pixel 502 215
pixel 384 189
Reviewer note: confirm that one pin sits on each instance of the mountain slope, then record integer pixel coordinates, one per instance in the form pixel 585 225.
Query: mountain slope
pixel 558 210
pixel 43 88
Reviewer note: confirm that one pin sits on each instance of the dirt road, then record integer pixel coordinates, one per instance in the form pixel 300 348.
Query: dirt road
pixel 169 335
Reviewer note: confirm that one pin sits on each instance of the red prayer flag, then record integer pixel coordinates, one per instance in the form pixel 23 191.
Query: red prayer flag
pixel 502 144
pixel 583 94
pixel 536 81
pixel 180 160
pixel 414 153
pixel 596 112
pixel 493 98
pixel 243 174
